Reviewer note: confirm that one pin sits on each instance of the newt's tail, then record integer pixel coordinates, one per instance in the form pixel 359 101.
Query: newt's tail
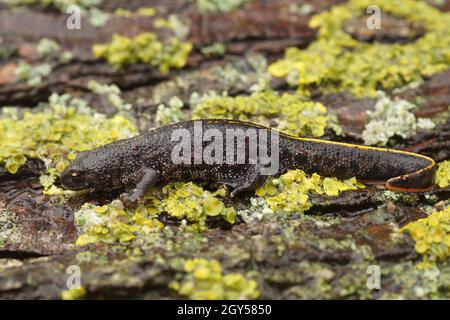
pixel 419 181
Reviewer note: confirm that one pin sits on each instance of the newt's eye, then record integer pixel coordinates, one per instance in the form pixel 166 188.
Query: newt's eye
pixel 74 174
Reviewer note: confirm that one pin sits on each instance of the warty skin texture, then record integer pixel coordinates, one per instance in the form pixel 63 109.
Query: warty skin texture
pixel 139 162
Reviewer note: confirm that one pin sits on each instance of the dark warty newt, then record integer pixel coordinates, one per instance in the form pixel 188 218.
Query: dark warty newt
pixel 137 163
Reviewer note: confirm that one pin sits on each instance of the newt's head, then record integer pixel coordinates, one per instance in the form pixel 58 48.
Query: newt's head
pixel 94 169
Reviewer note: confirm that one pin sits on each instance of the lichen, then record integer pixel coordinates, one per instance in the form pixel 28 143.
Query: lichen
pixel 74 294
pixel 337 62
pixel 114 224
pixel 5 52
pixel 216 49
pixel 239 74
pixel 290 192
pixel 258 209
pixel 291 113
pixel 173 23
pixel 95 16
pixel 8 226
pixel 64 127
pixel 143 11
pixel 204 279
pixel 443 174
pixel 171 113
pixel 112 92
pixel 219 5
pixel 98 18
pixel 432 237
pixel 62 5
pixel 393 118
pixel 144 48
pixel 188 203
pixel 50 49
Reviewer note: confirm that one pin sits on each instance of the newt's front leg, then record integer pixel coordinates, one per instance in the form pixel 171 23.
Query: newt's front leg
pixel 149 178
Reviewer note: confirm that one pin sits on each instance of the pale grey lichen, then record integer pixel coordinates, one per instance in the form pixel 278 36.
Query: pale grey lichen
pixel 4 51
pixel 198 98
pixel 98 18
pixel 216 49
pixel 50 49
pixel 393 118
pixel 250 72
pixel 33 74
pixel 173 22
pixel 47 46
pixel 112 92
pixel 8 226
pixel 257 210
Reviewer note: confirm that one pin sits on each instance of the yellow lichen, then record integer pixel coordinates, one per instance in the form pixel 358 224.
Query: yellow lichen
pixel 337 62
pixel 113 223
pixel 74 294
pixel 191 202
pixel 56 134
pixel 143 11
pixel 290 192
pixel 204 279
pixel 291 113
pixel 144 48
pixel 443 174
pixel 432 237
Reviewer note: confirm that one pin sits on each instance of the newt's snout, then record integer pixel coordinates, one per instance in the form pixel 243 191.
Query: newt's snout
pixel 73 180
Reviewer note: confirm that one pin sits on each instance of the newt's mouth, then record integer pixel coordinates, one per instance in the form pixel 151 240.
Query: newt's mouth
pixel 69 182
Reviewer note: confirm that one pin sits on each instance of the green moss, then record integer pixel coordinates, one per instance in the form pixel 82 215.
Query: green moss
pixel 337 62
pixel 64 127
pixel 290 192
pixel 432 237
pixel 443 174
pixel 393 118
pixel 204 279
pixel 144 48
pixel 291 113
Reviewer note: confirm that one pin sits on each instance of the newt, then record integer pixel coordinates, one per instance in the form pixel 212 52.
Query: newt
pixel 137 163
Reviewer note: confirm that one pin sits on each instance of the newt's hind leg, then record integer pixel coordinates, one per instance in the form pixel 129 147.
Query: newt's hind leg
pixel 149 178
pixel 251 180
